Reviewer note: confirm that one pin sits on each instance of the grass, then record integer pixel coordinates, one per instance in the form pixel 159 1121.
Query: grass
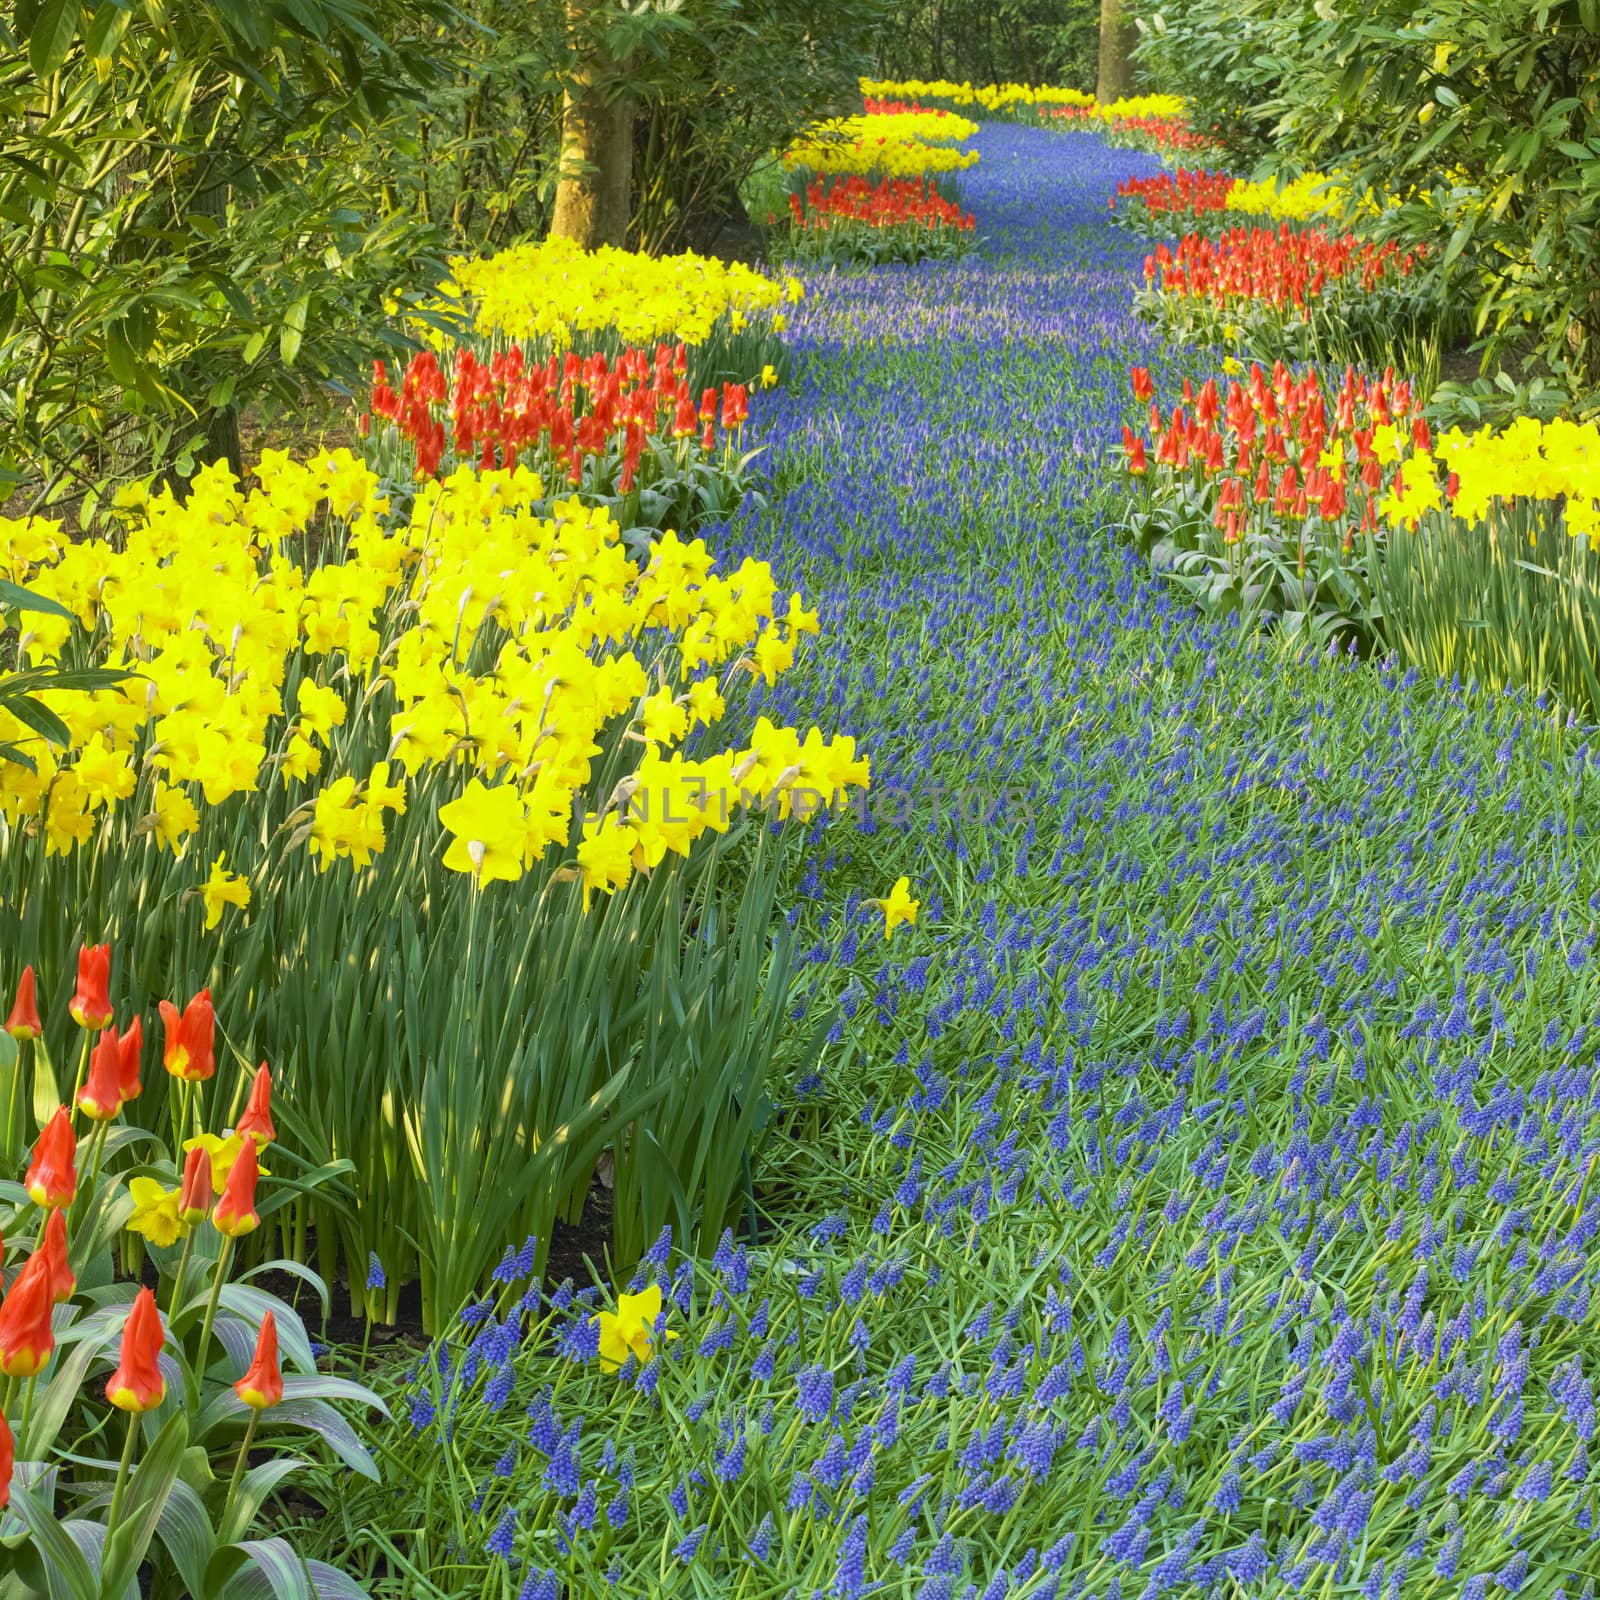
pixel 1199 1199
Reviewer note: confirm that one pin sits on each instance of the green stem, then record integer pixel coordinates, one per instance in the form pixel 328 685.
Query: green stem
pixel 217 1281
pixel 238 1466
pixel 183 1268
pixel 122 1475
pixel 27 1412
pixel 12 1139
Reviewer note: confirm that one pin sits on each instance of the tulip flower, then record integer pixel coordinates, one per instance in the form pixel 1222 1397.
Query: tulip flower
pixel 137 1385
pixel 257 1118
pixel 8 1456
pixel 91 1002
pixel 26 1337
pixel 194 1198
pixel 23 1023
pixel 130 1048
pixel 235 1213
pixel 100 1098
pixel 52 1176
pixel 190 1038
pixel 262 1385
pixel 53 1247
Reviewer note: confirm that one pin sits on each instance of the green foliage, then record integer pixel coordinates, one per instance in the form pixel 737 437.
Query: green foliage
pixel 187 221
pixel 1513 601
pixel 730 88
pixel 1479 114
pixel 993 41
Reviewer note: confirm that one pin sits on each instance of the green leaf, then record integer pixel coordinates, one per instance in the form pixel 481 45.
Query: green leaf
pixel 187 1535
pixel 147 1493
pixel 13 597
pixel 59 1551
pixel 294 328
pixel 53 32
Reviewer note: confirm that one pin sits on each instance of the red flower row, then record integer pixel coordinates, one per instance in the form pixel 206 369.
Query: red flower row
pixel 1183 193
pixel 571 406
pixel 902 108
pixel 1282 267
pixel 888 203
pixel 1285 444
pixel 1160 133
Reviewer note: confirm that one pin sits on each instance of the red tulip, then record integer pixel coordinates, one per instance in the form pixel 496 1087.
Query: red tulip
pixel 53 1247
pixel 235 1213
pixel 23 1023
pixel 137 1385
pixel 190 1038
pixel 262 1385
pixel 52 1177
pixel 99 1098
pixel 1143 386
pixel 130 1047
pixel 257 1118
pixel 26 1337
pixel 194 1200
pixel 91 1002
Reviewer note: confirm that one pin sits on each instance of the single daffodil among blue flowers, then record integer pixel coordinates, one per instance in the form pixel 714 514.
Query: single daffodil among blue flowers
pixel 630 1329
pixel 899 907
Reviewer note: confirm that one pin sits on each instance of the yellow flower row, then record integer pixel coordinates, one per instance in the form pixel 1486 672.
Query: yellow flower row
pixel 479 638
pixel 990 96
pixel 1527 460
pixel 898 145
pixel 994 97
pixel 554 289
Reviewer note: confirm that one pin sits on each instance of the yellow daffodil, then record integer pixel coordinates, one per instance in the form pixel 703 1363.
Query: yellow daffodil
pixel 155 1211
pixel 223 888
pixel 630 1329
pixel 224 1151
pixel 899 907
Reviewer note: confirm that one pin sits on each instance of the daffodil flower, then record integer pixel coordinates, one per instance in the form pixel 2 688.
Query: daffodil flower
pixel 630 1329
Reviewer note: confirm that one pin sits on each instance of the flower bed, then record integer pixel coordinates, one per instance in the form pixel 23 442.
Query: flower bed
pixel 347 728
pixel 1284 293
pixel 893 219
pixel 628 434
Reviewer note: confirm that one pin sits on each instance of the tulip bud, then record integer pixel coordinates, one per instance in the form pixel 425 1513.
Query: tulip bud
pixel 130 1048
pixel 23 1023
pixel 190 1038
pixel 257 1118
pixel 137 1385
pixel 99 1097
pixel 53 1247
pixel 262 1385
pixel 194 1200
pixel 235 1213
pixel 52 1177
pixel 91 1002
pixel 26 1337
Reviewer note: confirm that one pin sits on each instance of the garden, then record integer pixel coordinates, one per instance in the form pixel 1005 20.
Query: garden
pixel 791 799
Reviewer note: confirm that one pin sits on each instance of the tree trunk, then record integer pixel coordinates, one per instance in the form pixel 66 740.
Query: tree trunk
pixel 595 190
pixel 1117 34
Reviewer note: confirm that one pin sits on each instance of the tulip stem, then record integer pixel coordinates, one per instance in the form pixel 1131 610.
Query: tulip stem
pixel 23 1054
pixel 211 1309
pixel 183 1270
pixel 238 1466
pixel 27 1412
pixel 83 1066
pixel 122 1475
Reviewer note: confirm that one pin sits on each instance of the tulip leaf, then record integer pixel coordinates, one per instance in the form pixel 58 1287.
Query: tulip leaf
pixel 57 1549
pixel 186 1534
pixel 148 1488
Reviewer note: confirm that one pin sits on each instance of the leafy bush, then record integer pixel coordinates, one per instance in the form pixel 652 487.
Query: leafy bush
pixel 1478 112
pixel 183 234
pixel 191 1358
